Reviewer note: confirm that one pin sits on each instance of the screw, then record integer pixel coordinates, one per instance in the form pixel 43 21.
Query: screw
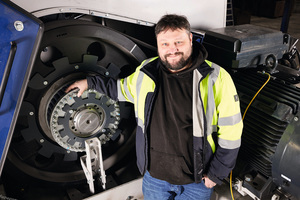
pixel 19 26
pixel 31 113
pixel 45 82
pixel 71 111
pixel 296 119
pixel 42 140
pixel 248 177
pixel 106 73
pixel 276 197
pixel 76 67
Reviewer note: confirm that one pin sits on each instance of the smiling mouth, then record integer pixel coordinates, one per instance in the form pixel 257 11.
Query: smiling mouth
pixel 173 54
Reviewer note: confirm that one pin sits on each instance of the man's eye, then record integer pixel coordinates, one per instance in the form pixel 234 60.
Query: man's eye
pixel 178 42
pixel 164 44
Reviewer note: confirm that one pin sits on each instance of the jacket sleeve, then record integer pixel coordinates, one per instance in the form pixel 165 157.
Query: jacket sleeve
pixel 229 128
pixel 103 85
pixel 120 89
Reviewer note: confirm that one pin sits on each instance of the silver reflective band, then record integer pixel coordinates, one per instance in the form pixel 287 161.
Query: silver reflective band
pixel 210 106
pixel 120 94
pixel 215 73
pixel 229 144
pixel 214 128
pixel 141 124
pixel 198 115
pixel 229 121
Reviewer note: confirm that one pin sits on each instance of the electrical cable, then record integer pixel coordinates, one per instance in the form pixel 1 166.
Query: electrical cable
pixel 269 76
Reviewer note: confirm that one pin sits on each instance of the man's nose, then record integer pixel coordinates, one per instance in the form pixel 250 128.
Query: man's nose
pixel 173 48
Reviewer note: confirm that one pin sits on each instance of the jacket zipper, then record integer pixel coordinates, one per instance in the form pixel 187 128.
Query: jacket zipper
pixel 147 119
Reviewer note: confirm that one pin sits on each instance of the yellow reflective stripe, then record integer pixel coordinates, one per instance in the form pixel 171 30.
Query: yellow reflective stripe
pixel 232 132
pixel 148 86
pixel 231 120
pixel 123 91
pixel 211 143
pixel 208 62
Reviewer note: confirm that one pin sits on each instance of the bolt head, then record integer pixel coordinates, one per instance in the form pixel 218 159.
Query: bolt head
pixel 19 26
pixel 248 178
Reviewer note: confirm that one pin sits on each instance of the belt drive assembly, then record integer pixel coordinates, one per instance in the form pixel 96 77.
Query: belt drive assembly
pixel 83 124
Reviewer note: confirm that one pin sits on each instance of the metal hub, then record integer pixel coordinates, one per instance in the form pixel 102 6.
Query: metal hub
pixel 87 120
pixel 74 119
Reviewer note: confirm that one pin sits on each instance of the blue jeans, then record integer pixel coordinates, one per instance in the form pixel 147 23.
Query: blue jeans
pixel 155 189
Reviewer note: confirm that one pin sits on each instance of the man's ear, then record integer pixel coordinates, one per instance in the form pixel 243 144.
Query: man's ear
pixel 191 38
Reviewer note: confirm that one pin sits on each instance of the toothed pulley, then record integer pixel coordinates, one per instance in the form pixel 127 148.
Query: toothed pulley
pixel 75 119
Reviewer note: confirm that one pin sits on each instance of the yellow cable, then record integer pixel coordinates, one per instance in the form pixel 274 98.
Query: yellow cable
pixel 243 119
pixel 256 95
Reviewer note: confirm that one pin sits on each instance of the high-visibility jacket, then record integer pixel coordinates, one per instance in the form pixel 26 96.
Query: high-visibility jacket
pixel 217 121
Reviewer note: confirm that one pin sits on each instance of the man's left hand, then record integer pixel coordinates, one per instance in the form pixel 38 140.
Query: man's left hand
pixel 208 183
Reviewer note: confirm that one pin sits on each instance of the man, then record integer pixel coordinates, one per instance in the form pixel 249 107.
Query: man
pixel 188 115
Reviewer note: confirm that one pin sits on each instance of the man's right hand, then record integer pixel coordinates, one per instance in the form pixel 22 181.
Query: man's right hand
pixel 82 85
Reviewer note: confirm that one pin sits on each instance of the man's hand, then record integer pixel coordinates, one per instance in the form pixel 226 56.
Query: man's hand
pixel 208 183
pixel 81 85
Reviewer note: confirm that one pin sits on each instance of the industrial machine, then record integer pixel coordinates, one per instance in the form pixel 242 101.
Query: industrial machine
pixel 56 145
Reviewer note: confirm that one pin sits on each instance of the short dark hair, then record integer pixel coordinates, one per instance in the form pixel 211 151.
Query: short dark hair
pixel 173 22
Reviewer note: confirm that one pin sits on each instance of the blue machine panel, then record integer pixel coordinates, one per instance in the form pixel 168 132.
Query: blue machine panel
pixel 20 35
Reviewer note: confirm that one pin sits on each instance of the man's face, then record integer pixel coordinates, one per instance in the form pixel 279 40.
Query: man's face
pixel 175 49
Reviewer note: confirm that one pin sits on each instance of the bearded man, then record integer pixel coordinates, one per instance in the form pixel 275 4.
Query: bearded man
pixel 188 116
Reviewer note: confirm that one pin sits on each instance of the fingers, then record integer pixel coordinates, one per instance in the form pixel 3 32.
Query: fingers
pixel 69 88
pixel 80 92
pixel 81 85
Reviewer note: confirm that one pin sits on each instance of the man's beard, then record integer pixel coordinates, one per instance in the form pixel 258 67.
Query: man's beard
pixel 178 65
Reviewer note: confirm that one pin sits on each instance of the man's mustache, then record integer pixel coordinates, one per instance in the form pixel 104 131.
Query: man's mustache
pixel 176 54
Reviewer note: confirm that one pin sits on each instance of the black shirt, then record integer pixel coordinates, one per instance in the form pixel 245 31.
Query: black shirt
pixel 171 128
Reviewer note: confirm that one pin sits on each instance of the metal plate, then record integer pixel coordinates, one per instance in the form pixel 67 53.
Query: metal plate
pixel 20 34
